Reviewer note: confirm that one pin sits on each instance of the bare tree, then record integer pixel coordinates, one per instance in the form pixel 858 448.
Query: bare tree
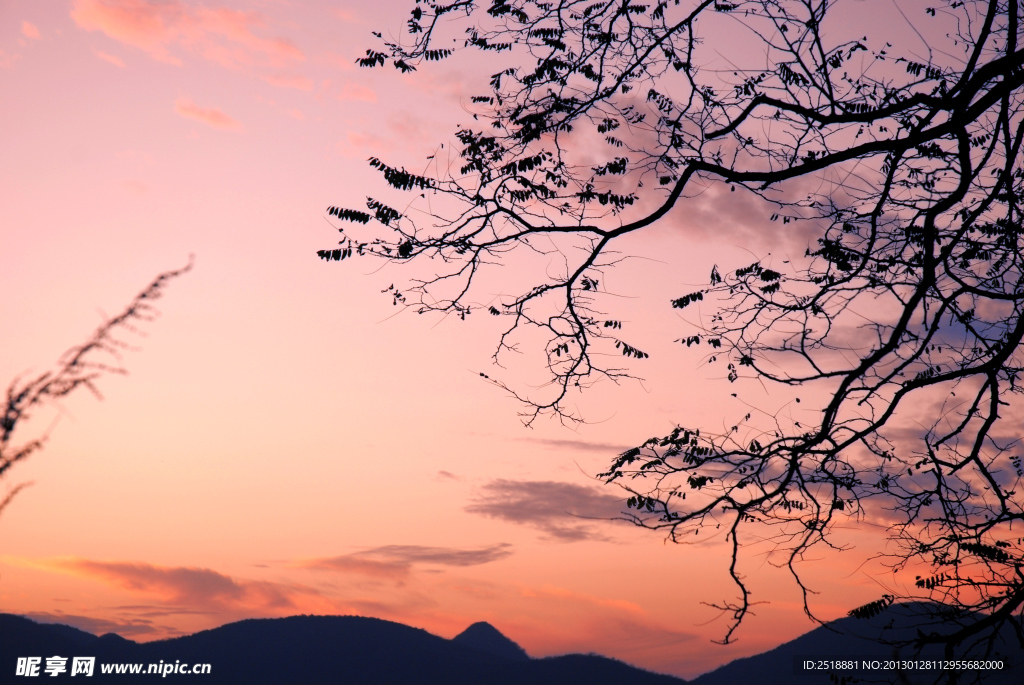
pixel 903 157
pixel 79 367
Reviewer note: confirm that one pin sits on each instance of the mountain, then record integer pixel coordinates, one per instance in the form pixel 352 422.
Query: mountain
pixel 313 650
pixel 859 640
pixel 486 638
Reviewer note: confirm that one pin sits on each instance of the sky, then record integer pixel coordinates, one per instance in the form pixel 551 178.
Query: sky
pixel 287 441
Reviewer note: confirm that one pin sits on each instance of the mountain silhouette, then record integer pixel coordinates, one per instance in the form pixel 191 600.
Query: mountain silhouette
pixel 874 639
pixel 314 650
pixel 486 638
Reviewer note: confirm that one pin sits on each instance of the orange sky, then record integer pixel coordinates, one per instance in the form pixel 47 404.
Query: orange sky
pixel 284 444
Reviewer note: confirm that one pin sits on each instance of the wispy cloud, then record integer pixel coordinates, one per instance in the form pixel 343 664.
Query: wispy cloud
pixel 180 585
pixel 614 627
pixel 346 16
pixel 208 115
pixel 164 596
pixel 340 62
pixel 289 81
pixel 443 556
pixel 395 561
pixel 29 30
pixel 96 626
pixel 640 639
pixel 163 27
pixel 116 61
pixel 356 143
pixel 375 568
pixel 578 445
pixel 558 509
pixel 722 212
pixel 356 91
pixel 7 60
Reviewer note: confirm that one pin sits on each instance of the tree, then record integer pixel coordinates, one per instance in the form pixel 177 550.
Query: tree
pixel 79 367
pixel 905 159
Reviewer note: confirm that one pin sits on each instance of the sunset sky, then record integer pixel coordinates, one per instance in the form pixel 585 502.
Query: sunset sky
pixel 287 441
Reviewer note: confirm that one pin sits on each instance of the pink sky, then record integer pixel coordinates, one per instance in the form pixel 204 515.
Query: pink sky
pixel 284 444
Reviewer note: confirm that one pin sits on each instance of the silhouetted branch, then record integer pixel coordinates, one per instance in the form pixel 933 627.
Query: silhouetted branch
pixel 79 367
pixel 609 116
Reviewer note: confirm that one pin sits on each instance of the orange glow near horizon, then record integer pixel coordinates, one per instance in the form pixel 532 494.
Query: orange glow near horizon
pixel 282 443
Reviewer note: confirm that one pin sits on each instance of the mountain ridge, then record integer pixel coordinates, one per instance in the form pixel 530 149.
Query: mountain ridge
pixel 313 650
pixel 357 650
pixel 876 639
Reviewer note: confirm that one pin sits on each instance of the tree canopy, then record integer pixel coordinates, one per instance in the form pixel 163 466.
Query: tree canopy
pixel 901 155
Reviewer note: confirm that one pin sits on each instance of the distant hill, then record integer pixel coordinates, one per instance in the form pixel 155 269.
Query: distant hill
pixel 314 650
pixel 485 637
pixel 860 639
pixel 352 650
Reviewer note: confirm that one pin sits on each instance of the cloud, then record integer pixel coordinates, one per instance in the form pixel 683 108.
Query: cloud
pixel 7 60
pixel 356 143
pixel 719 213
pixel 340 62
pixel 96 626
pixel 208 115
pixel 579 445
pixel 366 567
pixel 289 81
pixel 617 628
pixel 116 61
pixel 395 561
pixel 550 592
pixel 29 30
pixel 355 91
pixel 162 597
pixel 188 586
pixel 556 508
pixel 639 639
pixel 346 16
pixel 219 34
pixel 159 610
pixel 444 556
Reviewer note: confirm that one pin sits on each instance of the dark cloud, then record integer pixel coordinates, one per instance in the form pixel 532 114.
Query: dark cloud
pixel 395 561
pixel 580 445
pixel 558 509
pixel 96 626
pixel 445 556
